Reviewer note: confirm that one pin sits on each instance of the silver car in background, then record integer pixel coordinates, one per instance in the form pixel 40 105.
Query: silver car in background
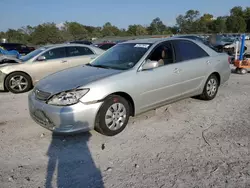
pixel 20 77
pixel 128 79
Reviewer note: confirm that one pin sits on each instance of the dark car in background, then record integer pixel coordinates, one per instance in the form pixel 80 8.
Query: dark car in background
pixel 105 45
pixel 21 48
pixel 86 42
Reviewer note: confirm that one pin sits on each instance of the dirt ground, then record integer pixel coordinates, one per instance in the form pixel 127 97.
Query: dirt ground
pixel 191 143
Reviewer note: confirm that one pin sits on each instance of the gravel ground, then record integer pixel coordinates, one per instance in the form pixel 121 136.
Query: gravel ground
pixel 190 143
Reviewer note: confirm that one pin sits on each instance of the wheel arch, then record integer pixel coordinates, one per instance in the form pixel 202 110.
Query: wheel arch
pixel 127 97
pixel 217 76
pixel 16 72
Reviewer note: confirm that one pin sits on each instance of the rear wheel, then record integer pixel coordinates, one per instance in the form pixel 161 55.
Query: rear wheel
pixel 243 71
pixel 113 116
pixel 211 88
pixel 18 82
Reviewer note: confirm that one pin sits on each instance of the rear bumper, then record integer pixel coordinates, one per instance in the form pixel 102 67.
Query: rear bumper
pixel 225 75
pixel 63 119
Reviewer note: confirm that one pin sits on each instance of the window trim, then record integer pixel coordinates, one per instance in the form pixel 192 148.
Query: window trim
pixel 67 54
pixel 181 60
pixel 48 51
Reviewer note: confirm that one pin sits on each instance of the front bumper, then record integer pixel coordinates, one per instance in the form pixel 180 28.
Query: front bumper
pixel 2 77
pixel 63 119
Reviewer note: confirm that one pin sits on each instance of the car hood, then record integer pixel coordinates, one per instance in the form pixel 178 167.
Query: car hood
pixel 73 78
pixel 8 64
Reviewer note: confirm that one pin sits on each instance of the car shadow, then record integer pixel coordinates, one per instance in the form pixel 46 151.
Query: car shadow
pixel 70 163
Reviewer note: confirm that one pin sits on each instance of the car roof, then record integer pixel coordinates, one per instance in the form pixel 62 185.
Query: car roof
pixel 64 45
pixel 147 40
pixel 156 40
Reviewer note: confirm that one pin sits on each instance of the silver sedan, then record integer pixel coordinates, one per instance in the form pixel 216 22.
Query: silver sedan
pixel 128 79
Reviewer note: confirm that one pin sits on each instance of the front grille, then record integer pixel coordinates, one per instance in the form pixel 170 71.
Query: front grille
pixel 42 95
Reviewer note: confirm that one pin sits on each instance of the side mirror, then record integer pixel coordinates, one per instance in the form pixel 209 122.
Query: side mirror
pixel 41 58
pixel 150 65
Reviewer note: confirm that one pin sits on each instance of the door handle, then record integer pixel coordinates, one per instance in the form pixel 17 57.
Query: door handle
pixel 208 62
pixel 176 70
pixel 63 61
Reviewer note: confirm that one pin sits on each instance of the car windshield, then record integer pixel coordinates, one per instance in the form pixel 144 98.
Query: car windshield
pixel 122 56
pixel 31 54
pixel 227 40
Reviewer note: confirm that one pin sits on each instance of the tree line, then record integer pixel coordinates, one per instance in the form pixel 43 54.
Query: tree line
pixel 191 22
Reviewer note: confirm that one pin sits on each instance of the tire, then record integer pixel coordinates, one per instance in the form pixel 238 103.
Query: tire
pixel 109 120
pixel 237 70
pixel 232 51
pixel 18 82
pixel 211 88
pixel 243 71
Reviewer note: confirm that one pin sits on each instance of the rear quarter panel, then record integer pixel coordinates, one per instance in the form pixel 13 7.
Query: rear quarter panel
pixel 222 66
pixel 219 63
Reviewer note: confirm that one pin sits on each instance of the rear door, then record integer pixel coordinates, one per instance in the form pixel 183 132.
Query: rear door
pixel 194 65
pixel 56 60
pixel 79 55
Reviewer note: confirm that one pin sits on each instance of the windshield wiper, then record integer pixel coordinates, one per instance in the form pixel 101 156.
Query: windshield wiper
pixel 99 66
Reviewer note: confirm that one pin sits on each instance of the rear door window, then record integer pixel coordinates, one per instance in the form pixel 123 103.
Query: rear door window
pixel 78 51
pixel 187 50
pixel 55 53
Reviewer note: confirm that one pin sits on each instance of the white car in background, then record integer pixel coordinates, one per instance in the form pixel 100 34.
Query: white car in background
pixel 20 76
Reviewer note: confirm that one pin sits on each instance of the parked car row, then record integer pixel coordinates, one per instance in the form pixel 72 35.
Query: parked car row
pixel 128 79
pixel 21 48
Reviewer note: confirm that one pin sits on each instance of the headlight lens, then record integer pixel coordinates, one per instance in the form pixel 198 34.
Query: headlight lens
pixel 68 97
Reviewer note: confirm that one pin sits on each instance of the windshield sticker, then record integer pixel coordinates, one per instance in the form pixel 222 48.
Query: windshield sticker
pixel 141 46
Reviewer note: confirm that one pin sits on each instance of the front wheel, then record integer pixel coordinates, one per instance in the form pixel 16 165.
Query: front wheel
pixel 113 116
pixel 18 82
pixel 211 88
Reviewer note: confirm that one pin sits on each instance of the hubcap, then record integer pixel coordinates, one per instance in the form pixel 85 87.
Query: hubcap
pixel 18 83
pixel 211 87
pixel 115 116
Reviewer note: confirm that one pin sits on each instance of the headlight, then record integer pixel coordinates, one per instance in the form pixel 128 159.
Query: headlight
pixel 68 97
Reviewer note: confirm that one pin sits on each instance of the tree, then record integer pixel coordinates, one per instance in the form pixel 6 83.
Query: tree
pixel 237 11
pixel 247 18
pixel 219 25
pixel 76 31
pixel 192 15
pixel 156 27
pixel 137 30
pixel 46 33
pixel 236 24
pixel 189 22
pixel 110 30
pixel 174 29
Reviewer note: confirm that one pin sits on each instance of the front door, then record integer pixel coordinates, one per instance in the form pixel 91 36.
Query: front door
pixel 56 60
pixel 160 84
